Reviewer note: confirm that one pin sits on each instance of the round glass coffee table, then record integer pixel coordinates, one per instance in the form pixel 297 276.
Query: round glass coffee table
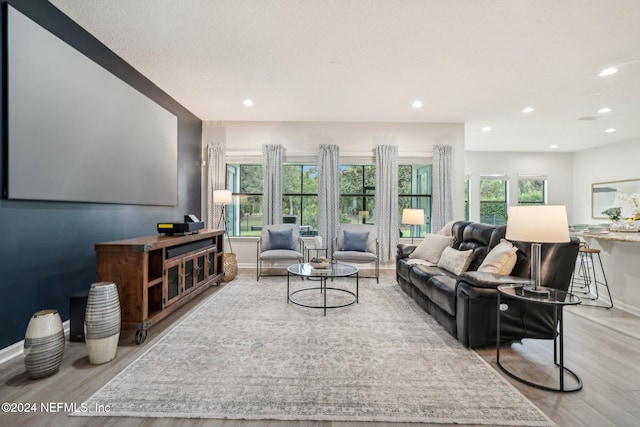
pixel 333 270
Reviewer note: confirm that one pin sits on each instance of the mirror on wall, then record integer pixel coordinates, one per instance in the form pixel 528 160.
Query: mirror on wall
pixel 623 194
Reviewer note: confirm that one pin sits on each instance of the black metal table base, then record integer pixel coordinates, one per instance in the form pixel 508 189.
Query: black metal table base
pixel 323 288
pixel 562 389
pixel 558 357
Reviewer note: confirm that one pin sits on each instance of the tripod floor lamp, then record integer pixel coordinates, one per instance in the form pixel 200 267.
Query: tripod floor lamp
pixel 223 198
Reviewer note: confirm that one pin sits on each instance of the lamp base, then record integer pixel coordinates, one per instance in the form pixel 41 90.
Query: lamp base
pixel 531 291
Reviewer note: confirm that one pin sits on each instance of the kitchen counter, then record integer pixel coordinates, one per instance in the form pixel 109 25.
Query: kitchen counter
pixel 620 254
pixel 617 236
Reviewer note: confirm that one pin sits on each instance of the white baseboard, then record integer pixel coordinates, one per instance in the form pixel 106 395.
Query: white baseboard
pixel 17 349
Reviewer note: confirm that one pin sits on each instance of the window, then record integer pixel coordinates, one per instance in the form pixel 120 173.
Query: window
pixel 414 192
pixel 493 200
pixel 466 199
pixel 357 194
pixel 244 216
pixel 300 196
pixel 531 191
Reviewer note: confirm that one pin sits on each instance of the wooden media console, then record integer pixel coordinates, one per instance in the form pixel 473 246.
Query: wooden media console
pixel 157 274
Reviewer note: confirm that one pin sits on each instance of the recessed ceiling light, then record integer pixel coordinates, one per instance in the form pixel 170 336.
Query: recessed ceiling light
pixel 247 102
pixel 486 129
pixel 417 104
pixel 608 71
pixel 610 130
pixel 604 110
pixel 554 146
pixel 527 110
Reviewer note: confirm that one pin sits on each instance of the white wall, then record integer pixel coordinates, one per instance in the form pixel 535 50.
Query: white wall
pixel 415 143
pixel 556 166
pixel 611 162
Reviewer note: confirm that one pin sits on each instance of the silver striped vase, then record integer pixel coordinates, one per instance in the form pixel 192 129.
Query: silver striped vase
pixel 102 322
pixel 43 344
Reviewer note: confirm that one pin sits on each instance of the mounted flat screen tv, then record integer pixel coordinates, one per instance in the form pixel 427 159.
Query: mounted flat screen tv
pixel 75 132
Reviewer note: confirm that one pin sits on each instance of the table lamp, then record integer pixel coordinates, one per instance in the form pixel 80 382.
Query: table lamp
pixel 413 217
pixel 223 198
pixel 537 224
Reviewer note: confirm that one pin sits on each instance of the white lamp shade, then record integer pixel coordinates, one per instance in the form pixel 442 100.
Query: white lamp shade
pixel 413 216
pixel 538 224
pixel 221 197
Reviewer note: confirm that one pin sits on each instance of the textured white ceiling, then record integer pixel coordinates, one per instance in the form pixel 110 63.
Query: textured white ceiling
pixel 473 61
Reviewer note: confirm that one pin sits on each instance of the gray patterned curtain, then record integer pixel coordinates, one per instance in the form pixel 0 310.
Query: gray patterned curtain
pixel 328 193
pixel 386 211
pixel 216 171
pixel 442 209
pixel 272 184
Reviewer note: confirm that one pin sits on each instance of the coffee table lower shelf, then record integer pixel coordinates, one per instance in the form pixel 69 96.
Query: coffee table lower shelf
pixel 334 270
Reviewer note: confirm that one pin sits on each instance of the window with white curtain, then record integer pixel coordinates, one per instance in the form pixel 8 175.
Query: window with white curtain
pixel 300 195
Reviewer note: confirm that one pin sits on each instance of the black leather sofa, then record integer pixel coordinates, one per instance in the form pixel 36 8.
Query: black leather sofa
pixel 465 304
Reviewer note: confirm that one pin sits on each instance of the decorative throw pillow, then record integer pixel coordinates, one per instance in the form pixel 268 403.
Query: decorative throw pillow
pixel 431 247
pixel 355 241
pixel 447 230
pixel 501 259
pixel 280 239
pixel 455 261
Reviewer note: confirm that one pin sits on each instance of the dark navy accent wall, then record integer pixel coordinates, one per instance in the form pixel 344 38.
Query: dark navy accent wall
pixel 47 249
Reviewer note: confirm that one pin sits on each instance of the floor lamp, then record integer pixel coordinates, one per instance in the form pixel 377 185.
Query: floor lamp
pixel 537 224
pixel 413 217
pixel 223 198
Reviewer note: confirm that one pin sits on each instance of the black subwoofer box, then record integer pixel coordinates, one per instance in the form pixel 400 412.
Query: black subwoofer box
pixel 77 308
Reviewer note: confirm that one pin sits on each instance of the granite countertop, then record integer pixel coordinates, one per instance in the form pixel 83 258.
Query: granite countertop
pixel 618 236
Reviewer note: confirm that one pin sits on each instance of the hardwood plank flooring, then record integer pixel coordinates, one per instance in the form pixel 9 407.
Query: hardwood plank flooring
pixel 607 359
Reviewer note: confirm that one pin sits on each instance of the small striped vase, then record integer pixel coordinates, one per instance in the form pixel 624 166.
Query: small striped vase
pixel 102 322
pixel 43 344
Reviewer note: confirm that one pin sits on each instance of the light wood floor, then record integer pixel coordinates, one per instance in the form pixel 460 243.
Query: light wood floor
pixel 607 360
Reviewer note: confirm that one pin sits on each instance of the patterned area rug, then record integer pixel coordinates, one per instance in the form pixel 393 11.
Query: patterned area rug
pixel 247 354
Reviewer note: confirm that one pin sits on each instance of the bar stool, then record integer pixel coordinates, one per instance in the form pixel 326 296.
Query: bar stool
pixel 586 273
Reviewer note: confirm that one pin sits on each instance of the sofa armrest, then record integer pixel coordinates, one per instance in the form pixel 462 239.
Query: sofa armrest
pixel 405 250
pixel 480 279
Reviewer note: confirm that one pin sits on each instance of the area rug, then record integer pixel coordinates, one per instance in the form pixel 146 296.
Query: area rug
pixel 245 353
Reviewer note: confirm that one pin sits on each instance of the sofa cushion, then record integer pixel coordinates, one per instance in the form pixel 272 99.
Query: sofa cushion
pixel 501 259
pixel 431 247
pixel 422 273
pixel 441 290
pixel 455 261
pixel 355 241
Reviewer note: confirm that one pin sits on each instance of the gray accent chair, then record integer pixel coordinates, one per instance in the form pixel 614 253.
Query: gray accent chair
pixel 265 250
pixel 343 251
